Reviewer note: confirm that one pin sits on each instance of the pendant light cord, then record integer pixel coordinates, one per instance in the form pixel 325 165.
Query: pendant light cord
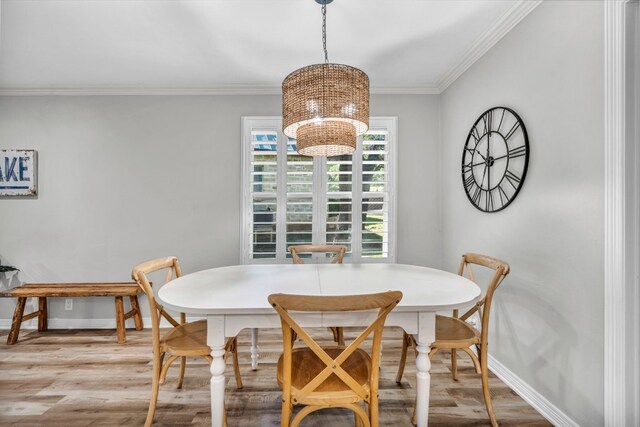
pixel 324 33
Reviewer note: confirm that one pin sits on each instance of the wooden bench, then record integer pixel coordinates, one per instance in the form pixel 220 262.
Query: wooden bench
pixel 73 290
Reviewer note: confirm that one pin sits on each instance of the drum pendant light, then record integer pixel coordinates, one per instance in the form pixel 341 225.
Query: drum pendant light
pixel 325 107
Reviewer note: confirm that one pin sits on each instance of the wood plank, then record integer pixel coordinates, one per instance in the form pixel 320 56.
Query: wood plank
pixel 82 378
pixel 129 314
pixel 27 285
pixel 43 321
pixel 137 316
pixel 78 291
pixel 72 290
pixel 30 316
pixel 120 320
pixel 17 321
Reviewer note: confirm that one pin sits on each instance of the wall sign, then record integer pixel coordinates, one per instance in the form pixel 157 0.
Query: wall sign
pixel 18 173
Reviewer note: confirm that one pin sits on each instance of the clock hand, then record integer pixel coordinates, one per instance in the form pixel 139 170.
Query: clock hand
pixel 498 158
pixel 483 174
pixel 489 158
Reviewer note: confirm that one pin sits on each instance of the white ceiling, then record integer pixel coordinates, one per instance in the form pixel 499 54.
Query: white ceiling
pixel 244 45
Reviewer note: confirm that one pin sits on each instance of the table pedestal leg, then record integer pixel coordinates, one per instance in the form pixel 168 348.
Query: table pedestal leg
pixel 255 351
pixel 216 341
pixel 426 335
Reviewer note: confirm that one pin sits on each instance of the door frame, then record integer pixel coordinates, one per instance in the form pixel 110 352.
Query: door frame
pixel 621 215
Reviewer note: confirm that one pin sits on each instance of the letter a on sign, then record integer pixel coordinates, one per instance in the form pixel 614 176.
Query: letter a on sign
pixel 18 173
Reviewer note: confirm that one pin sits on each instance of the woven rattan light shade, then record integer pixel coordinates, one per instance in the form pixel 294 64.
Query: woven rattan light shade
pixel 327 138
pixel 334 95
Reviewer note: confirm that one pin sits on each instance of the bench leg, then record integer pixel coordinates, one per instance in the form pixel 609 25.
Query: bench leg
pixel 120 320
pixel 43 323
pixel 137 316
pixel 17 321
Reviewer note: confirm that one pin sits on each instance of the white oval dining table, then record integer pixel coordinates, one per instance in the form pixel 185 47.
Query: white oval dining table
pixel 234 298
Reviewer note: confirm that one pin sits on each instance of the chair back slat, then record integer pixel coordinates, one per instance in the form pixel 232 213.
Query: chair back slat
pixel 486 261
pixel 337 250
pixel 291 302
pixel 483 306
pixel 155 265
pixel 284 303
pixel 140 275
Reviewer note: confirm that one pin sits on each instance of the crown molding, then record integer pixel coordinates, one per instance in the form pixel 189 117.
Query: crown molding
pixel 408 90
pixel 189 91
pixel 139 90
pixel 505 23
pixel 510 19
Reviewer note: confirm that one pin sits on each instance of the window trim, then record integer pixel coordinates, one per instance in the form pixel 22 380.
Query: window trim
pixel 273 123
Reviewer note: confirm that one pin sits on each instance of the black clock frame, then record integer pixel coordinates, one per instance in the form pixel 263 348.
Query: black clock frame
pixel 526 156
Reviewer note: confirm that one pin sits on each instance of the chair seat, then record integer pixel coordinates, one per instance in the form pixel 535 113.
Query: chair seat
pixel 454 333
pixel 305 365
pixel 188 339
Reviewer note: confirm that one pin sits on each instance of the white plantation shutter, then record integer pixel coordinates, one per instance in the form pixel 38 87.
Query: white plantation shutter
pixel 339 202
pixel 299 204
pixel 375 195
pixel 263 182
pixel 290 199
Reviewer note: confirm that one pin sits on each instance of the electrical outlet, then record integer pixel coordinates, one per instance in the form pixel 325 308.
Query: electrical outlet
pixel 68 304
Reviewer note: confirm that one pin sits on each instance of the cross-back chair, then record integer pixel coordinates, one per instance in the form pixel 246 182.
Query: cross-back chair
pixel 338 251
pixel 184 339
pixel 333 376
pixel 454 333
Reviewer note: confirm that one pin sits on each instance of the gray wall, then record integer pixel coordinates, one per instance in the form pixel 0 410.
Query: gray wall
pixel 548 315
pixel 123 179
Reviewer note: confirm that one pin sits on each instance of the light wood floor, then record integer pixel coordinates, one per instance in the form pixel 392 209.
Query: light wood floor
pixel 84 378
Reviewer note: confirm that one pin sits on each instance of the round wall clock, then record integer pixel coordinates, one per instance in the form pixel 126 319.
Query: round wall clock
pixel 495 159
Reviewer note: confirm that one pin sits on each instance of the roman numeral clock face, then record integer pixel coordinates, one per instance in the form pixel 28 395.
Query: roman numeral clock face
pixel 495 159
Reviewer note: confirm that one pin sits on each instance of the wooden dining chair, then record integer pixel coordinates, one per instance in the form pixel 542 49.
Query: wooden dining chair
pixel 338 251
pixel 333 376
pixel 184 339
pixel 454 333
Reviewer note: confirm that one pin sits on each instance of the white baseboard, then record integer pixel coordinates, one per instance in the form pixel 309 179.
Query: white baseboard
pixel 547 409
pixel 65 324
pixel 84 323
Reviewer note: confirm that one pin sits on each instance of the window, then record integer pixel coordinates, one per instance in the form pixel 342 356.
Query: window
pixel 290 199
